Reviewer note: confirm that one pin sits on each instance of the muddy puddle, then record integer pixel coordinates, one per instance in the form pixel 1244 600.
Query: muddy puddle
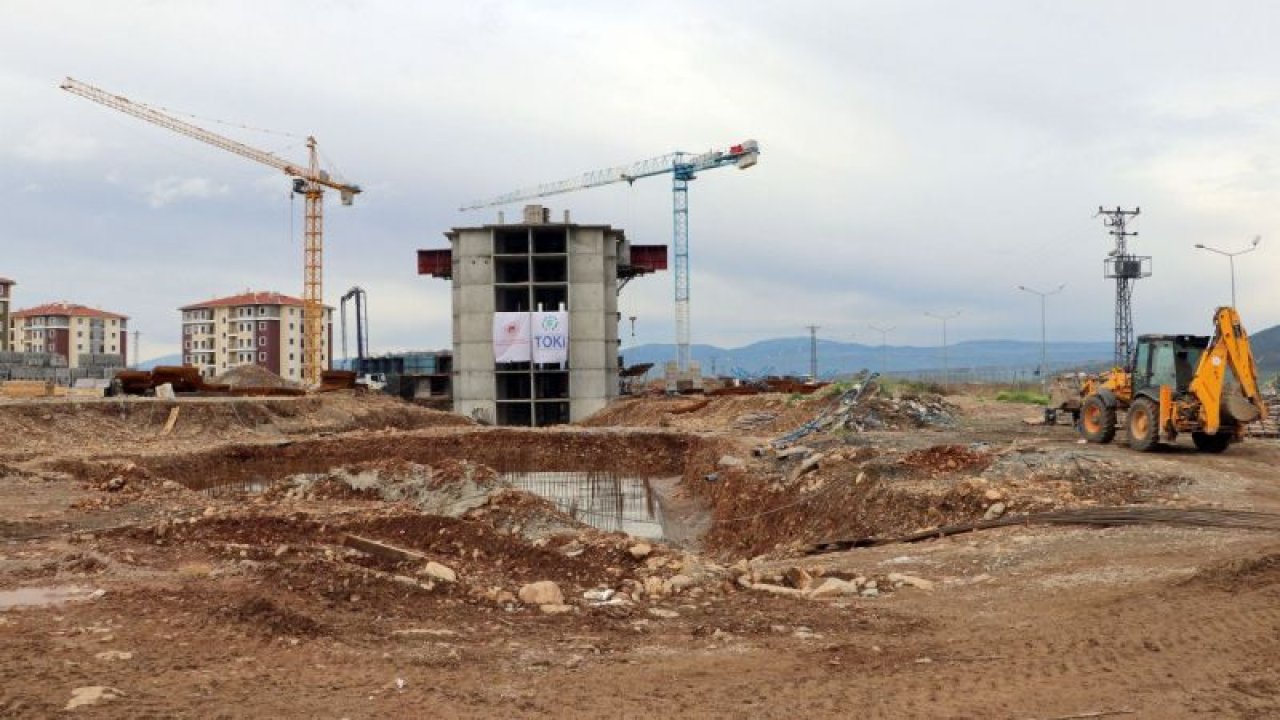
pixel 604 500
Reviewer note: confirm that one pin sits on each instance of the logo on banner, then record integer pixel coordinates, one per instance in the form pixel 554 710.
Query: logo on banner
pixel 511 337
pixel 551 338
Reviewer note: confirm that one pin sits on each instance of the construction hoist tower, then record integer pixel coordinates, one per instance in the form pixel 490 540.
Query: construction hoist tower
pixel 1125 268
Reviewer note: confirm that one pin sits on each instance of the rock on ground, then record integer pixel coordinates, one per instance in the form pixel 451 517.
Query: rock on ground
pixel 91 695
pixel 543 592
pixel 436 571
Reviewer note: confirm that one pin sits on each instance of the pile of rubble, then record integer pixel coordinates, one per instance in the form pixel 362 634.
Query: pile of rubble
pixel 862 408
pixel 819 583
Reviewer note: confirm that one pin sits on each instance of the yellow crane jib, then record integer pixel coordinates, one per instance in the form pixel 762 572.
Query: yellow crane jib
pixel 309 181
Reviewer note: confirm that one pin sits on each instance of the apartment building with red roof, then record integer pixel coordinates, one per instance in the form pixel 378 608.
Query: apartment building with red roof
pixel 251 328
pixel 69 330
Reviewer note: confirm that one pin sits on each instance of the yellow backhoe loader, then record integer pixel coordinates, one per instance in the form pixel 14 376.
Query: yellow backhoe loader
pixel 1179 384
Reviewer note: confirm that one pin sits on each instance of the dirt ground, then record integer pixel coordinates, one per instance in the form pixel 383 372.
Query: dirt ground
pixel 210 570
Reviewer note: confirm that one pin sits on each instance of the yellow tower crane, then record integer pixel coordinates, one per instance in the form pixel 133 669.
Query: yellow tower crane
pixel 309 180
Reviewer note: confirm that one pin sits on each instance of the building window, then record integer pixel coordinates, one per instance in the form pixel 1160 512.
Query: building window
pixel 79 347
pixel 262 342
pixel 290 356
pixel 262 357
pixel 262 310
pixel 290 341
pixel 262 326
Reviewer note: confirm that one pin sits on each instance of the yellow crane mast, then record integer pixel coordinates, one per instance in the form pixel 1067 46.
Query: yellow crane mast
pixel 309 180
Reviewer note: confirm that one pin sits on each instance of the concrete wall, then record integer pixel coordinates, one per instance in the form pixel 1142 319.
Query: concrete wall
pixel 474 393
pixel 593 328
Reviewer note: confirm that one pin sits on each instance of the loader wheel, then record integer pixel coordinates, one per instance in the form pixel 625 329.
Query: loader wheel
pixel 1097 420
pixel 1144 425
pixel 1215 443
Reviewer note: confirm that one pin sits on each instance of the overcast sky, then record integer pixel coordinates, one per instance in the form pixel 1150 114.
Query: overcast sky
pixel 917 156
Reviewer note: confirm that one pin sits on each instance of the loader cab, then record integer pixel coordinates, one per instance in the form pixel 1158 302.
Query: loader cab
pixel 1166 360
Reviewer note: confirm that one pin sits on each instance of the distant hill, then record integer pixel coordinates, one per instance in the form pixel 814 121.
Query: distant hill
pixel 790 356
pixel 175 359
pixel 1266 350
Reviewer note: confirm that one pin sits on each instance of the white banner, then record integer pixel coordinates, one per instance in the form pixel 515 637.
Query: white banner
pixel 551 337
pixel 511 337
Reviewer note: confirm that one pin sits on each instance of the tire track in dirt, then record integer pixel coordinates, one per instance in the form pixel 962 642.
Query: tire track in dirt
pixel 1205 645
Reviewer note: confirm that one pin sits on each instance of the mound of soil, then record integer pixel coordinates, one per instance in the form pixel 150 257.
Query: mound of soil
pixel 263 616
pixel 765 413
pixel 1240 575
pixel 252 376
pixel 42 429
pixel 947 458
pixel 642 454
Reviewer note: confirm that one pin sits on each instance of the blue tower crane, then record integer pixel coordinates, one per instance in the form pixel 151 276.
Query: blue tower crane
pixel 683 167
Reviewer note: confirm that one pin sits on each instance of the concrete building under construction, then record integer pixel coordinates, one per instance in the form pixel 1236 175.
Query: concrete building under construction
pixel 545 270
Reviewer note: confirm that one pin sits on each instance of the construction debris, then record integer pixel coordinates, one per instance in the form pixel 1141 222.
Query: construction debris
pixel 382 550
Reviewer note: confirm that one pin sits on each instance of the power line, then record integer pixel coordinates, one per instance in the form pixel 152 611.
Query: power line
pixel 884 345
pixel 946 364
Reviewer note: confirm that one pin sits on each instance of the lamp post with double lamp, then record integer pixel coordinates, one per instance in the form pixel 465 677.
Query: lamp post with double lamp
pixel 1044 369
pixel 1231 257
pixel 946 366
pixel 884 345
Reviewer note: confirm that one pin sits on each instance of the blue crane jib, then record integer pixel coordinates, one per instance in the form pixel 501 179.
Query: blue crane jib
pixel 683 167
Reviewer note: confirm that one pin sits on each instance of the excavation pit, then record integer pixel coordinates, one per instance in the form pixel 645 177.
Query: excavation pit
pixel 604 500
pixel 614 481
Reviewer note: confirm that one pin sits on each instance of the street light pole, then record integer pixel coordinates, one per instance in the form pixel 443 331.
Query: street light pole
pixel 946 366
pixel 1231 258
pixel 1044 368
pixel 884 346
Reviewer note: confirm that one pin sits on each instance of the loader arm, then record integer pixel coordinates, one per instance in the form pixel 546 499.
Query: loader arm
pixel 1229 348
